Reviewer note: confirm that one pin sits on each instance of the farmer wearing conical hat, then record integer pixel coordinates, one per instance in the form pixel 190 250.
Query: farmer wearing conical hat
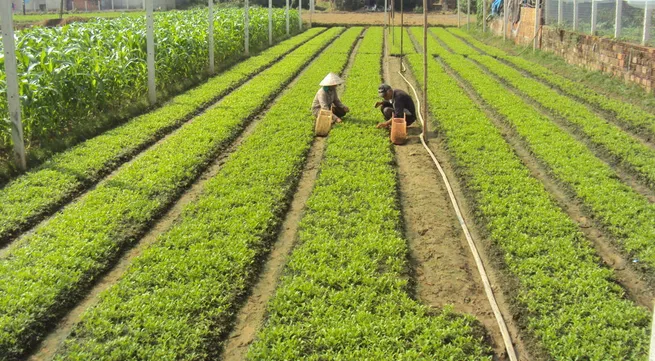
pixel 327 99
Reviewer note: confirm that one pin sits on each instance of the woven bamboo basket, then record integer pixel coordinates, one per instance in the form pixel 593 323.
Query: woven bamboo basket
pixel 323 123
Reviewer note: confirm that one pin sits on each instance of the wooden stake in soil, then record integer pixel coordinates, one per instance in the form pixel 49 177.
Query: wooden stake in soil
pixel 12 82
pixel 425 68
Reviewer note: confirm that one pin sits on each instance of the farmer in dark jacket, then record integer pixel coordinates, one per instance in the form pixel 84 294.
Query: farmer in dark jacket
pixel 396 104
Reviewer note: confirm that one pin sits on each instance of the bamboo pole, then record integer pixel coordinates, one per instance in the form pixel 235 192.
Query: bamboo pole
pixel 424 110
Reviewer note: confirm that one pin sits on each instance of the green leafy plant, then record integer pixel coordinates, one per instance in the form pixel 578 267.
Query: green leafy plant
pixel 46 271
pixel 29 198
pixel 625 113
pixel 570 304
pixel 189 283
pixel 344 293
pixel 79 79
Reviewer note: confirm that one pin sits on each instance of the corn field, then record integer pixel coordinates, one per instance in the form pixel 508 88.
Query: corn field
pixel 76 77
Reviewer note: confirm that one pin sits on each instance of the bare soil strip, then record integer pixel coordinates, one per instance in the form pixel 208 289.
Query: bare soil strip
pixel 377 18
pixel 626 175
pixel 252 315
pixel 638 287
pixel 444 269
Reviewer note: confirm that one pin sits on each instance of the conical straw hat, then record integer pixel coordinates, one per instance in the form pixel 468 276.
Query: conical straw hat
pixel 331 79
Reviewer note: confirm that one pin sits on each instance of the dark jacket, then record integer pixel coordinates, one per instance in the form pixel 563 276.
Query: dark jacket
pixel 402 104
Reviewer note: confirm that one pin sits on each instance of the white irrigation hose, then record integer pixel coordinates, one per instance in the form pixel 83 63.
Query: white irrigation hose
pixel 474 250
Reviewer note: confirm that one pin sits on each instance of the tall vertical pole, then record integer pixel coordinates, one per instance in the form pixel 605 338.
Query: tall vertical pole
pixel 150 47
pixel 647 13
pixel 386 19
pixel 617 19
pixel 311 12
pixel 393 21
pixel 424 110
pixel 560 12
pixel 484 16
pixel 112 5
pixel 546 7
pixel 11 71
pixel 459 19
pixel 211 36
pixel 468 15
pixel 286 13
pixel 402 30
pixel 505 16
pixel 299 14
pixel 651 354
pixel 537 20
pixel 246 28
pixel 594 16
pixel 575 15
pixel 270 22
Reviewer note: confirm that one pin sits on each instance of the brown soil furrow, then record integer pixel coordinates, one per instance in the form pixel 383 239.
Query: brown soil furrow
pixel 444 268
pixel 251 316
pixel 638 287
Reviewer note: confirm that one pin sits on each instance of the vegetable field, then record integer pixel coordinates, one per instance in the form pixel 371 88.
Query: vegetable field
pixel 158 238
pixel 81 78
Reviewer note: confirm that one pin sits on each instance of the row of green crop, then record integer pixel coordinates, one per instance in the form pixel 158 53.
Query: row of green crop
pixel 186 287
pixel 624 212
pixel 569 303
pixel 47 270
pixel 31 197
pixel 627 114
pixel 344 293
pixel 77 79
pixel 624 148
pixel 394 39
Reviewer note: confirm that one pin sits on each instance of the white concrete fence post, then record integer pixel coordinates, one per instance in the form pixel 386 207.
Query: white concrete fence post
pixel 210 36
pixel 270 22
pixel 537 20
pixel 246 28
pixel 150 47
pixel 617 19
pixel 648 12
pixel 505 17
pixel 11 71
pixel 484 16
pixel 468 15
pixel 575 15
pixel 594 16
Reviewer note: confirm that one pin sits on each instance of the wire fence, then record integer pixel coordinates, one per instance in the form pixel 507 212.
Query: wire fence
pixel 626 20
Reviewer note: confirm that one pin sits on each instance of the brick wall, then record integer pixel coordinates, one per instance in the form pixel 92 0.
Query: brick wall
pixel 631 62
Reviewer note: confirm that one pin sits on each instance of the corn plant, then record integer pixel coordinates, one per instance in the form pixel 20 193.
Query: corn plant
pixel 75 79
